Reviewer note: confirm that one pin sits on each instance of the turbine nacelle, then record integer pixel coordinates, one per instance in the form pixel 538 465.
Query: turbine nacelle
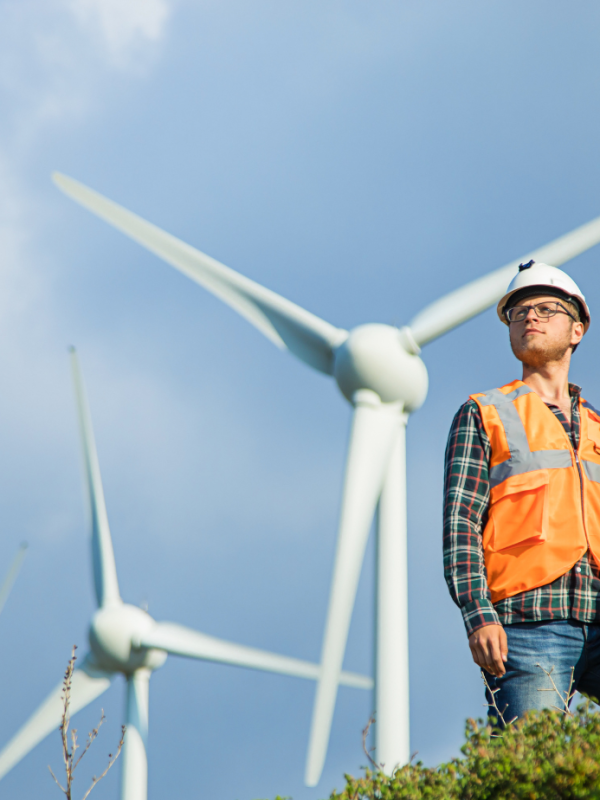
pixel 115 635
pixel 377 358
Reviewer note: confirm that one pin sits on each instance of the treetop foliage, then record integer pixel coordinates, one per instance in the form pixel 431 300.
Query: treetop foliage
pixel 546 755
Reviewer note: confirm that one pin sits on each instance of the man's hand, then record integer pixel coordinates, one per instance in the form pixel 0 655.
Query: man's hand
pixel 489 649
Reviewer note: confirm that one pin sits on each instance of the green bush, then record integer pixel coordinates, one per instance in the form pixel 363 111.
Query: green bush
pixel 546 755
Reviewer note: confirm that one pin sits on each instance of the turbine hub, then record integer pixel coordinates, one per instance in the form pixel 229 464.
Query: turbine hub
pixel 113 634
pixel 376 357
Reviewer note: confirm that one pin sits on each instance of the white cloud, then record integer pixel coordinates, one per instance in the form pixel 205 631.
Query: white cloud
pixel 123 24
pixel 55 56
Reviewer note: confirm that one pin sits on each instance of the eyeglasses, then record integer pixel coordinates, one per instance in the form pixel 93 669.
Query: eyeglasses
pixel 543 311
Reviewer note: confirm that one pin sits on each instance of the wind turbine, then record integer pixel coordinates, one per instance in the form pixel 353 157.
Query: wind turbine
pixel 125 639
pixel 11 575
pixel 378 370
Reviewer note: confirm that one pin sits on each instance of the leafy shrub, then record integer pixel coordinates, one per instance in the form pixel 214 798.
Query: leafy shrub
pixel 546 755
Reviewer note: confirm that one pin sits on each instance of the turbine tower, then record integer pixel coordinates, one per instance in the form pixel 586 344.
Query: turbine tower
pixel 379 371
pixel 125 639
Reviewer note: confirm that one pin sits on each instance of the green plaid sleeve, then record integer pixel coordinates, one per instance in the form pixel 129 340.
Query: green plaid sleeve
pixel 466 500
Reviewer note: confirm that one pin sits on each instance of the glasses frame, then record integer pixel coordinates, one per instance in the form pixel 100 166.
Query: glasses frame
pixel 560 309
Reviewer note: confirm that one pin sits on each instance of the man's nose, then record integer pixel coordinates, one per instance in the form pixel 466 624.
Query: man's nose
pixel 531 313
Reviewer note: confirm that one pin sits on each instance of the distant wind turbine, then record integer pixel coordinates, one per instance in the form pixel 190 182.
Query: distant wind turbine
pixel 11 575
pixel 378 370
pixel 125 639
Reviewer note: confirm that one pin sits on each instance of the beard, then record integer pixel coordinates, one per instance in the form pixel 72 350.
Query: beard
pixel 538 354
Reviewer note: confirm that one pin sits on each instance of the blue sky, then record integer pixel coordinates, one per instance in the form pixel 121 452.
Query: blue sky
pixel 360 159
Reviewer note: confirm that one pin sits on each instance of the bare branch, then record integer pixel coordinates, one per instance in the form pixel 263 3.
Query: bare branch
pixel 494 705
pixel 91 736
pixel 365 735
pixel 60 786
pixel 69 754
pixel 569 694
pixel 64 728
pixel 110 763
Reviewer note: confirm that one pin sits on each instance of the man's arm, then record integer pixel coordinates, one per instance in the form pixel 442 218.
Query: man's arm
pixel 466 501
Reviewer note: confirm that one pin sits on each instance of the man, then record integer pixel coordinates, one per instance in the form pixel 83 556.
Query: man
pixel 522 508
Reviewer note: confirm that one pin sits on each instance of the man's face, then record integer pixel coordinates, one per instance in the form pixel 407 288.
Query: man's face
pixel 537 342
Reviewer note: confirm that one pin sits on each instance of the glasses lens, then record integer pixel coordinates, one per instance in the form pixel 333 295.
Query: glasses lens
pixel 517 313
pixel 545 310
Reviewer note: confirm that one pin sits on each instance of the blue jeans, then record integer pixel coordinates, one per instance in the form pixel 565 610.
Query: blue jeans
pixel 566 649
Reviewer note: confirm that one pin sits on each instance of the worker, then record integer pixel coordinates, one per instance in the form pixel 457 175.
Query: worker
pixel 522 509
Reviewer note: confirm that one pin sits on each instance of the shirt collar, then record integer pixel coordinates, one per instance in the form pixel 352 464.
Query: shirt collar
pixel 574 390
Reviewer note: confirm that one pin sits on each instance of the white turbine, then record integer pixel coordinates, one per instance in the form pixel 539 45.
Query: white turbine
pixel 378 369
pixel 125 639
pixel 11 575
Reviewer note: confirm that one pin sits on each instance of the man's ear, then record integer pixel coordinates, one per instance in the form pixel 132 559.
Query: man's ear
pixel 576 333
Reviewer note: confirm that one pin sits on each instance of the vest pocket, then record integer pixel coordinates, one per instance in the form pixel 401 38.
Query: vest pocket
pixel 519 511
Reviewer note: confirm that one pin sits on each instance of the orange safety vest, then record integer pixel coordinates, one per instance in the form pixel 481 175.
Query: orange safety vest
pixel 544 508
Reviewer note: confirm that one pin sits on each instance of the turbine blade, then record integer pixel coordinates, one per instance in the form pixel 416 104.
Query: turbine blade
pixel 89 682
pixel 12 574
pixel 287 325
pixel 103 557
pixel 134 775
pixel 375 428
pixel 461 305
pixel 181 641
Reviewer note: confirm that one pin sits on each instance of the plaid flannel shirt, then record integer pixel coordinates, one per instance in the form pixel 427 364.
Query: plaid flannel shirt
pixel 575 595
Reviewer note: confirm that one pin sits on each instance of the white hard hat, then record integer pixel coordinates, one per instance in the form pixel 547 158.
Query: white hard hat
pixel 551 281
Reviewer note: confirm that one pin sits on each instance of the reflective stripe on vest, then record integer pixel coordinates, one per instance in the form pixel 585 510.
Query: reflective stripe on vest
pixel 522 459
pixel 592 471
